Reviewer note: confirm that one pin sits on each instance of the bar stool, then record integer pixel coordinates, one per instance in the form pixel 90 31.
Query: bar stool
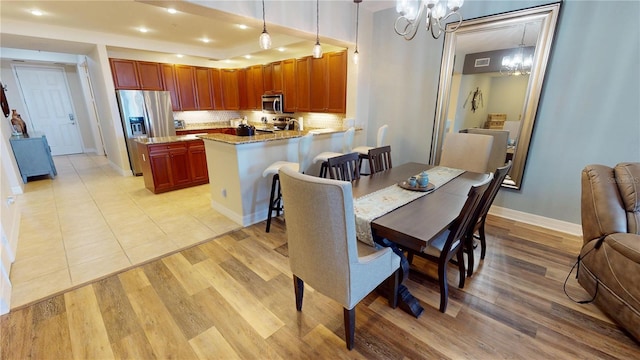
pixel 275 200
pixel 363 151
pixel 347 145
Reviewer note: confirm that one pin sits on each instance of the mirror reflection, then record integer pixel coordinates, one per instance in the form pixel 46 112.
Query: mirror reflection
pixel 490 82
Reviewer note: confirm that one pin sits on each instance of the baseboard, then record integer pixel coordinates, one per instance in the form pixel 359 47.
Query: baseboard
pixel 537 220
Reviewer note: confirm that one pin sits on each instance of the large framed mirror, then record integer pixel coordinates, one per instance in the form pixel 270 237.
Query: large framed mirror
pixel 491 78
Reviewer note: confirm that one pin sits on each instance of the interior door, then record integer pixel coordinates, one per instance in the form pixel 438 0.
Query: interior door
pixel 46 93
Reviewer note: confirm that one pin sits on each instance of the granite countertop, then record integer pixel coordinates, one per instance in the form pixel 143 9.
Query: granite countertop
pixel 167 139
pixel 268 136
pixel 205 126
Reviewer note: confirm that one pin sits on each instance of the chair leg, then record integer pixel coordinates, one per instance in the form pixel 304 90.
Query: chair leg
pixel 483 241
pixel 461 269
pixel 393 282
pixel 409 257
pixel 298 288
pixel 274 200
pixel 444 287
pixel 350 327
pixel 323 169
pixel 470 255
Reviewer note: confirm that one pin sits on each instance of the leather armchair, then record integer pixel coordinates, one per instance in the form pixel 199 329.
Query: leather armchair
pixel 610 265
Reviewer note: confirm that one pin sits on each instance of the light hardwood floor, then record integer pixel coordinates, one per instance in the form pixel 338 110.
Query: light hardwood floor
pixel 232 297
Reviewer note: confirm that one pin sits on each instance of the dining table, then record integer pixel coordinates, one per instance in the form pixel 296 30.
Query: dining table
pixel 412 226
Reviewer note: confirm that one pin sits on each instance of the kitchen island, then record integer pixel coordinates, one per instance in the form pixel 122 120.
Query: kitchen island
pixel 236 163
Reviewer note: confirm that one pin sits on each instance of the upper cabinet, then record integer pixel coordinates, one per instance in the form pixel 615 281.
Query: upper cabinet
pixel 136 75
pixel 204 91
pixel 169 84
pixel 230 88
pixel 186 81
pixel 337 82
pixel 289 80
pixel 254 87
pixel 303 87
pixel 150 75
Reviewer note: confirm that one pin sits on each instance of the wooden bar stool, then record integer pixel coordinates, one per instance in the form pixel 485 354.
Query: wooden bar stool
pixel 347 145
pixel 275 199
pixel 363 151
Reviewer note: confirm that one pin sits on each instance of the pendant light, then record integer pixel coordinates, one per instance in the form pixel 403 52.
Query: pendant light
pixel 265 38
pixel 317 48
pixel 356 54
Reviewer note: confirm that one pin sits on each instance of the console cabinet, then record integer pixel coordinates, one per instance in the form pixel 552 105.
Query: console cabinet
pixel 172 166
pixel 33 156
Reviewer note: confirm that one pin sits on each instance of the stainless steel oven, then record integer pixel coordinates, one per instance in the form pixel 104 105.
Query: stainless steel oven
pixel 272 104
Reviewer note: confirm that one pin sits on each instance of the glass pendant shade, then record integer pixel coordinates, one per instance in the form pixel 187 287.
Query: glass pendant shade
pixel 356 57
pixel 265 40
pixel 317 50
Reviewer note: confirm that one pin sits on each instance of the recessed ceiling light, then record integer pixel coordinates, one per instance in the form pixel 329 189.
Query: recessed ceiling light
pixel 205 40
pixel 36 12
pixel 247 56
pixel 172 10
pixel 143 29
pixel 243 26
pixel 281 49
pixel 179 55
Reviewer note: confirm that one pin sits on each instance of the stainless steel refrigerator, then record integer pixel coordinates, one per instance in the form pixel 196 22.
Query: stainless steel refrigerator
pixel 144 114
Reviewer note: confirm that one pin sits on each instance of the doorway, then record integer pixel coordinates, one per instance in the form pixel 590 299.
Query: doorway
pixel 49 108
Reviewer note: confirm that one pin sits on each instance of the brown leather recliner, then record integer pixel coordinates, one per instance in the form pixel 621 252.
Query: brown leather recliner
pixel 610 265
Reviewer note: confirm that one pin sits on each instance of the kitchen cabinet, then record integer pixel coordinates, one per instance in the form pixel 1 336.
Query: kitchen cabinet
pixel 169 84
pixel 337 82
pixel 255 87
pixel 204 93
pixel 33 156
pixel 186 82
pixel 242 89
pixel 230 97
pixel 172 166
pixel 136 75
pixel 303 88
pixel 218 101
pixel 272 76
pixel 289 91
pixel 318 84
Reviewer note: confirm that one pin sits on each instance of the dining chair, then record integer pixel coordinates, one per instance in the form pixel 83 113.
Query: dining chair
pixel 275 199
pixel 347 146
pixel 380 159
pixel 480 217
pixel 498 155
pixel 363 151
pixel 450 243
pixel 468 152
pixel 323 250
pixel 344 167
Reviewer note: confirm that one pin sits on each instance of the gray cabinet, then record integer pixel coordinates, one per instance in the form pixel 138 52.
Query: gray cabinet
pixel 33 156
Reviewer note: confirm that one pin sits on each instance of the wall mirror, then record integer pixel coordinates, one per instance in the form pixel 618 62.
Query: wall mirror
pixel 491 78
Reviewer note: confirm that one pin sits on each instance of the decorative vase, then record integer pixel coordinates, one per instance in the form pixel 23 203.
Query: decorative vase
pixel 19 126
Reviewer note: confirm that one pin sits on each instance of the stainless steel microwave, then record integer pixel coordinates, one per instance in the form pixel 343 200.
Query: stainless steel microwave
pixel 272 104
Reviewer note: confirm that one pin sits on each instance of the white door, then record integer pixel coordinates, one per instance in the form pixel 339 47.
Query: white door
pixel 46 94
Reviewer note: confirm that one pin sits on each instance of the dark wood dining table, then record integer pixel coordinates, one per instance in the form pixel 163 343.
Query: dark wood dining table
pixel 414 225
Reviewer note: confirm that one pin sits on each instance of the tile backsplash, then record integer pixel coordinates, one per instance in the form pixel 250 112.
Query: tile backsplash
pixel 315 120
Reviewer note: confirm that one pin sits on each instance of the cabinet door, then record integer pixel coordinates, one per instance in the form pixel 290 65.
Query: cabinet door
pixel 230 89
pixel 203 89
pixel 180 171
pixel 160 163
pixel 318 84
pixel 125 75
pixel 303 88
pixel 242 89
pixel 255 86
pixel 267 76
pixel 289 90
pixel 337 82
pixel 185 78
pixel 169 84
pixel 198 162
pixel 216 85
pixel 150 75
pixel 276 77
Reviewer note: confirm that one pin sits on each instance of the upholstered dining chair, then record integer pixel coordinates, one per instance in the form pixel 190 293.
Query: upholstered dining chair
pixel 480 217
pixel 381 140
pixel 344 167
pixel 380 159
pixel 498 155
pixel 347 146
pixel 450 243
pixel 468 152
pixel 275 199
pixel 323 250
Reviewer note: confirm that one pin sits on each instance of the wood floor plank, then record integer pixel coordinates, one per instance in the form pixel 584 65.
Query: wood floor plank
pixel 16 334
pixel 250 257
pixel 86 322
pixel 212 344
pixel 133 347
pixel 53 340
pixel 190 279
pixel 117 313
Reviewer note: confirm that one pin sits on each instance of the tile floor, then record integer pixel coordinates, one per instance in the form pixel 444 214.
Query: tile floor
pixel 90 221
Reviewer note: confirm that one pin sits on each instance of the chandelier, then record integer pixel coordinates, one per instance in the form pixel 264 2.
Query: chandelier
pixel 517 64
pixel 436 16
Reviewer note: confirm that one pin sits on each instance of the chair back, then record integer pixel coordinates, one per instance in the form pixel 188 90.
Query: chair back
pixel 464 221
pixel 498 148
pixel 469 152
pixel 380 159
pixel 382 135
pixel 321 231
pixel 304 146
pixel 490 195
pixel 344 167
pixel 347 144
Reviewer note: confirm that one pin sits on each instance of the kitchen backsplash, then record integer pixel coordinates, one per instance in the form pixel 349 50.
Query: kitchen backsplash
pixel 315 120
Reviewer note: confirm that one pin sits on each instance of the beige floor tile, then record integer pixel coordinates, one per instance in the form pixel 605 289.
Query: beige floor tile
pixel 24 292
pixel 150 250
pixel 138 235
pixel 86 236
pixel 30 247
pixel 29 268
pixel 93 251
pixel 98 267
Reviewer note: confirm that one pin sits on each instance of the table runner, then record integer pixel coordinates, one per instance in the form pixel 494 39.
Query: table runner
pixel 371 206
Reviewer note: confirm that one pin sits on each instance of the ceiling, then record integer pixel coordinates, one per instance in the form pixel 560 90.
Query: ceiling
pixel 184 30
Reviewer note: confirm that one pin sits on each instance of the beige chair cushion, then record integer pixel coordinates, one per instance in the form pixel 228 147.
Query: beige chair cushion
pixel 469 152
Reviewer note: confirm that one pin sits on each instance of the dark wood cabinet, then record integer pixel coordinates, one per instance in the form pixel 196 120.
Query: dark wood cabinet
pixel 186 81
pixel 125 75
pixel 276 77
pixel 336 82
pixel 150 75
pixel 318 84
pixel 242 89
pixel 303 86
pixel 230 97
pixel 267 77
pixel 255 87
pixel 289 91
pixel 204 91
pixel 216 84
pixel 169 84
pixel 172 166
